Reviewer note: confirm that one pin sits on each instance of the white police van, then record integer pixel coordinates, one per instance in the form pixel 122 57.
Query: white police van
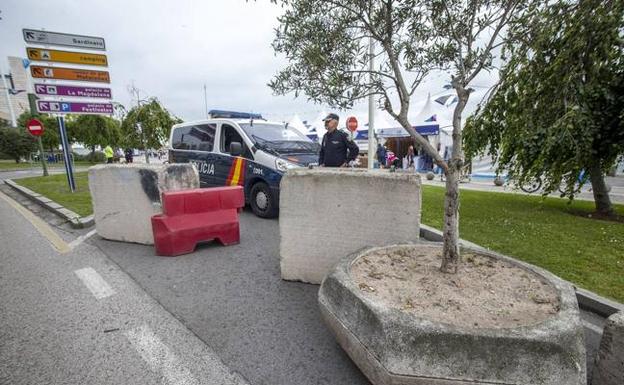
pixel 234 148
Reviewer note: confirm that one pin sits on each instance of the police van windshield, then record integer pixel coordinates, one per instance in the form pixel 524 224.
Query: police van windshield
pixel 278 137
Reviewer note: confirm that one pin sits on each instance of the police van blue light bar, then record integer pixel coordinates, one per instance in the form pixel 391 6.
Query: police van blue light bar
pixel 232 115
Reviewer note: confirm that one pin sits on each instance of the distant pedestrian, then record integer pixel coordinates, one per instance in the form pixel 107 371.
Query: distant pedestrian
pixel 129 155
pixel 337 149
pixel 381 155
pixel 392 159
pixel 411 154
pixel 108 152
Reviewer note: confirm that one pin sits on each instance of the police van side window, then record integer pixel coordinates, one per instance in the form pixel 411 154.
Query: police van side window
pixel 229 135
pixel 198 138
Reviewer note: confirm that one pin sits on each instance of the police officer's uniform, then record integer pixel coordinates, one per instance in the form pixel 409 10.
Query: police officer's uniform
pixel 337 148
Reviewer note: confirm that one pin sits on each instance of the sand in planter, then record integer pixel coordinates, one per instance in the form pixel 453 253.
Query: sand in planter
pixel 486 293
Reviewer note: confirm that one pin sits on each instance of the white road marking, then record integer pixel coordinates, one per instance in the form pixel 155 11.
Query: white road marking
pixel 159 357
pixel 73 244
pixel 95 283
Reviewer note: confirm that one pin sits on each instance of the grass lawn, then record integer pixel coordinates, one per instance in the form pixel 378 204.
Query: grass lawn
pixel 10 165
pixel 587 252
pixel 55 187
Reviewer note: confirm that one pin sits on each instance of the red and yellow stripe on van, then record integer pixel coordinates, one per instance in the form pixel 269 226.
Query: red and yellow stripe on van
pixel 236 177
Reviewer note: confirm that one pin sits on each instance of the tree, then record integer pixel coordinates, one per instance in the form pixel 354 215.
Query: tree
pixel 95 130
pixel 326 45
pixel 147 126
pixel 15 142
pixel 50 138
pixel 559 106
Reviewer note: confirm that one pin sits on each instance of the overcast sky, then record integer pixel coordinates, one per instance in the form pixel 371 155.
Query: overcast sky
pixel 170 49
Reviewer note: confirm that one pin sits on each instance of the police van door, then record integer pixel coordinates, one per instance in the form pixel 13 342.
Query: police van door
pixel 231 171
pixel 195 144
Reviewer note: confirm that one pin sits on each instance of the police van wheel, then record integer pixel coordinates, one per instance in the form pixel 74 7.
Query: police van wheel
pixel 261 201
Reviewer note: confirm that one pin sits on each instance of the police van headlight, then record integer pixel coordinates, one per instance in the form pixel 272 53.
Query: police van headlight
pixel 283 165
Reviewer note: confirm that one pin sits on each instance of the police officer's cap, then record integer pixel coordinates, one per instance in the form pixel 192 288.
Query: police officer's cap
pixel 331 116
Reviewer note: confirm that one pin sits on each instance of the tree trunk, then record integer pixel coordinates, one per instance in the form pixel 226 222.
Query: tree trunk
pixel 451 257
pixel 450 230
pixel 599 188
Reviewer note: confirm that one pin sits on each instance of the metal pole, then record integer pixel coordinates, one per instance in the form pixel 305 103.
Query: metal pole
pixel 206 101
pixel 8 97
pixel 41 156
pixel 33 111
pixel 66 156
pixel 372 147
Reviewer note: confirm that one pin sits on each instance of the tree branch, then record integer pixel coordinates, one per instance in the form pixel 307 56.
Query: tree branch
pixel 488 48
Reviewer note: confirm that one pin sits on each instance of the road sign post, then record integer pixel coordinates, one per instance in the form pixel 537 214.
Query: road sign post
pixel 57 56
pixel 66 155
pixel 51 91
pixel 72 91
pixel 63 73
pixel 33 110
pixel 33 36
pixel 352 125
pixel 47 107
pixel 35 128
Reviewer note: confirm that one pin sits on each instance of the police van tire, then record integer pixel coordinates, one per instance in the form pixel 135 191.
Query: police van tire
pixel 261 201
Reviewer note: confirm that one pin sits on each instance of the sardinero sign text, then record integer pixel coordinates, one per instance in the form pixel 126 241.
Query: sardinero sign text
pixel 72 91
pixel 63 39
pixel 74 107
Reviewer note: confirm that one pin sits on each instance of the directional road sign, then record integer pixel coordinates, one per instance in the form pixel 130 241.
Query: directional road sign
pixel 73 91
pixel 69 74
pixel 53 55
pixel 55 107
pixel 63 39
pixel 35 127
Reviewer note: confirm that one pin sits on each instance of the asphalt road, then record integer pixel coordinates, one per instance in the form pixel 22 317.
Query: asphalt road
pixel 68 315
pixel 267 329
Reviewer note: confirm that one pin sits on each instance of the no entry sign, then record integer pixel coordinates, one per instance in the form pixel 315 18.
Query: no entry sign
pixel 352 124
pixel 35 127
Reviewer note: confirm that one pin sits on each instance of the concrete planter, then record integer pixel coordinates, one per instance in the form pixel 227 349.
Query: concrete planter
pixel 394 347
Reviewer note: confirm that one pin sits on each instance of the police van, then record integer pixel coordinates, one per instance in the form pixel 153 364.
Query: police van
pixel 234 148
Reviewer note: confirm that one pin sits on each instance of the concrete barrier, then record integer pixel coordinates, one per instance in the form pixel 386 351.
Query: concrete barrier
pixel 126 196
pixel 609 368
pixel 326 214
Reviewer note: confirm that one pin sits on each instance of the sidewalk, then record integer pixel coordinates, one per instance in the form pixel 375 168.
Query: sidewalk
pixel 487 184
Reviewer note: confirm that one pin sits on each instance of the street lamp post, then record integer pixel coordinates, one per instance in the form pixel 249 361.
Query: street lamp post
pixel 371 111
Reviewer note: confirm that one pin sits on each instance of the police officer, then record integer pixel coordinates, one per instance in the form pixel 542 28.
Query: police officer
pixel 337 150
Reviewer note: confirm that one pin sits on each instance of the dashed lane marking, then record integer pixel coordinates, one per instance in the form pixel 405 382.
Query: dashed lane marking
pixel 44 229
pixel 95 283
pixel 159 357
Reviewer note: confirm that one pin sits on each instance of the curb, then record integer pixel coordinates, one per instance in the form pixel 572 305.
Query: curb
pixel 587 300
pixel 75 220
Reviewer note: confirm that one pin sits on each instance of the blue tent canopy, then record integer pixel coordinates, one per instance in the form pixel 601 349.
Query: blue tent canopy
pixel 399 132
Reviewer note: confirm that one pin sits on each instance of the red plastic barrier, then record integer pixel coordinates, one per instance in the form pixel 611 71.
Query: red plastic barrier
pixel 197 215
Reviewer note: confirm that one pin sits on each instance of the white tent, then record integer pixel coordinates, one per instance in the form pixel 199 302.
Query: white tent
pixel 297 124
pixel 317 128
